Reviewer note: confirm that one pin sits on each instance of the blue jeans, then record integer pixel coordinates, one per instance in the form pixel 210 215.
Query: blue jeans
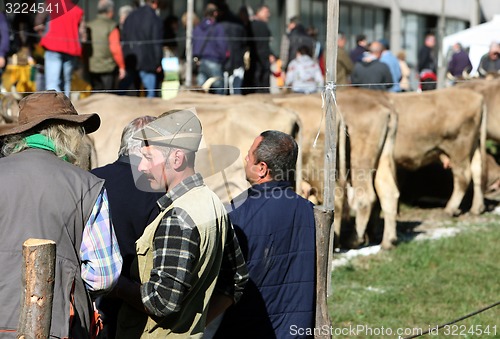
pixel 58 70
pixel 209 69
pixel 149 82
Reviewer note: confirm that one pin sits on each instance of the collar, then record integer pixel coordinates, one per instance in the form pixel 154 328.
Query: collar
pixel 270 185
pixel 41 141
pixel 182 188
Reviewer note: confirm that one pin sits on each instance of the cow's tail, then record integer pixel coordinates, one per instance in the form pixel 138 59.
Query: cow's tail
pixel 482 146
pixel 342 150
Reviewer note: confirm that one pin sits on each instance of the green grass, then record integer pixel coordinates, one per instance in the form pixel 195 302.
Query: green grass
pixel 421 284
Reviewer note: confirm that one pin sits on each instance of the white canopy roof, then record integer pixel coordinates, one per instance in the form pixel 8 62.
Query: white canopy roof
pixel 477 39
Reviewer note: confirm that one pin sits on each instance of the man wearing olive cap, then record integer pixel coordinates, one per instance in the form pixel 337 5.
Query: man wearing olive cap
pixel 47 197
pixel 190 264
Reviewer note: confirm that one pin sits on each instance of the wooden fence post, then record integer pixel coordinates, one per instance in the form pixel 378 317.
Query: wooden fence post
pixel 38 274
pixel 324 219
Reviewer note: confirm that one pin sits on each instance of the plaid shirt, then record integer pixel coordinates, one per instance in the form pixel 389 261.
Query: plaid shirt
pixel 176 253
pixel 99 251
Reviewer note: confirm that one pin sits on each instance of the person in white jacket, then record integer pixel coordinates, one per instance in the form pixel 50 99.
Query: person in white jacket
pixel 304 74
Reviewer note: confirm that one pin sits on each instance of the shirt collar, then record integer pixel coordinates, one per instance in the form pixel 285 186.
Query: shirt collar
pixel 270 185
pixel 182 188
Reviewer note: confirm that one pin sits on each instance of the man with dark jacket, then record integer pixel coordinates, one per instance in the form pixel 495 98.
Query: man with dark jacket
pixel 258 76
pixel 276 230
pixel 296 38
pixel 371 73
pixel 237 42
pixel 210 46
pixel 142 47
pixel 357 52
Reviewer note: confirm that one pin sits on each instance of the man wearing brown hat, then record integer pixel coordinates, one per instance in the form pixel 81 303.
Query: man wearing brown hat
pixel 190 246
pixel 47 197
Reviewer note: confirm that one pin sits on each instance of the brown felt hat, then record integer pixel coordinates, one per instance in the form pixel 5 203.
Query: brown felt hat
pixel 180 129
pixel 49 106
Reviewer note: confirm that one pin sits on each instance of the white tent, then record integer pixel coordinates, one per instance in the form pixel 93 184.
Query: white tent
pixel 477 39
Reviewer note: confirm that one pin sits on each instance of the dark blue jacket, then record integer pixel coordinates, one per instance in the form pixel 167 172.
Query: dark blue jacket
pixel 276 232
pixel 216 47
pixel 142 36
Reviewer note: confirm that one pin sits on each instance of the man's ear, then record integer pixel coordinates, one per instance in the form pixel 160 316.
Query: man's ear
pixel 263 170
pixel 179 160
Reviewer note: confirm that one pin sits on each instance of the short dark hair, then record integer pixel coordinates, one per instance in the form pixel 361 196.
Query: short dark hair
pixel 304 50
pixel 279 151
pixel 360 37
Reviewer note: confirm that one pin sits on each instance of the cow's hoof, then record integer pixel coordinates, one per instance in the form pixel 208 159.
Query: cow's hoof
pixel 453 212
pixel 389 245
pixel 477 210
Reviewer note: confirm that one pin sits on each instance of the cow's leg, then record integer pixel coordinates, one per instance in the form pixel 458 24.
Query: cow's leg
pixel 388 194
pixel 364 198
pixel 339 202
pixel 461 180
pixel 386 186
pixel 477 177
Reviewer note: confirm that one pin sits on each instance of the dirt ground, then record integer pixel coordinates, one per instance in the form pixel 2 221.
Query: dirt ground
pixel 416 223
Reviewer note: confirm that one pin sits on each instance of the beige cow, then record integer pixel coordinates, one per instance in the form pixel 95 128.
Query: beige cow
pixel 490 90
pixel 371 127
pixel 444 125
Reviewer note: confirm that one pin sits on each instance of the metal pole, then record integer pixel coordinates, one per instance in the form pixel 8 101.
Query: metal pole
pixel 189 45
pixel 441 54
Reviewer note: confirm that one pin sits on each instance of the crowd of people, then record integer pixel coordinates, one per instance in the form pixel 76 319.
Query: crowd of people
pixel 232 52
pixel 143 245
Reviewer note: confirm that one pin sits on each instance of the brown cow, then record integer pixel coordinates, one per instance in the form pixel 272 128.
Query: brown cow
pixel 444 124
pixel 490 90
pixel 371 126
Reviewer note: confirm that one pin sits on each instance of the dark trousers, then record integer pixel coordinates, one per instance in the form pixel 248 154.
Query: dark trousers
pixel 103 81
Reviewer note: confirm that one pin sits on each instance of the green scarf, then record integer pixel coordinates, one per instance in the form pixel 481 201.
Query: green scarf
pixel 42 142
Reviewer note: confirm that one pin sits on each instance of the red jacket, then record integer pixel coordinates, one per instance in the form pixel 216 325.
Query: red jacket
pixel 62 28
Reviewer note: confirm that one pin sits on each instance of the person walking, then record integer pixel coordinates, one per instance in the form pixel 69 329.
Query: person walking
pixel 276 230
pixel 142 47
pixel 211 48
pixel 393 63
pixel 357 52
pixel 460 65
pixel 344 63
pixel 190 263
pixel 51 198
pixel 61 39
pixel 304 74
pixel 237 41
pixel 489 66
pixel 106 63
pixel 371 73
pixel 404 83
pixel 258 76
pixel 427 64
pixel 295 38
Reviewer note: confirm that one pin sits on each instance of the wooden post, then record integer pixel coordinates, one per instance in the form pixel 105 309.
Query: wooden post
pixel 38 274
pixel 324 219
pixel 324 216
